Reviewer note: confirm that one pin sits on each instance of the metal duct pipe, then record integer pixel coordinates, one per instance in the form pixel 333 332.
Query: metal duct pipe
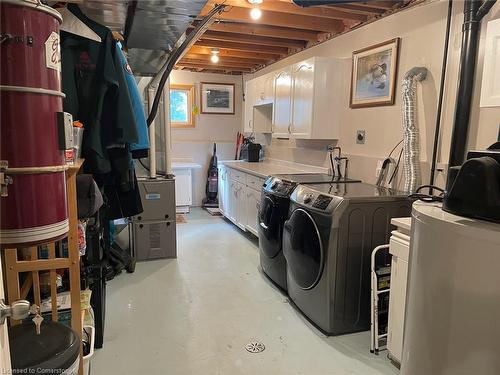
pixel 474 11
pixel 411 137
pixel 168 132
pixel 187 41
pixel 152 138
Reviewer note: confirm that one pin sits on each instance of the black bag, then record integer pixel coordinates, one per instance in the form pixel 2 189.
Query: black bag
pixel 88 195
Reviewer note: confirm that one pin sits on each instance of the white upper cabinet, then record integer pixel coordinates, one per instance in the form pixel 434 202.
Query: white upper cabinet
pixel 248 106
pixel 282 103
pixel 301 101
pixel 490 90
pixel 316 99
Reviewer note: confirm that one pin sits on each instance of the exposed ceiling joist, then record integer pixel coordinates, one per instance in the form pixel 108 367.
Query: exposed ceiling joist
pixel 233 53
pixel 222 62
pixel 252 39
pixel 214 67
pixel 290 8
pixel 246 45
pixel 283 20
pixel 265 30
pixel 280 51
pixel 206 58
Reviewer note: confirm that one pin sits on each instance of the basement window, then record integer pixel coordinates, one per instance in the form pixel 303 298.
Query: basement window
pixel 181 106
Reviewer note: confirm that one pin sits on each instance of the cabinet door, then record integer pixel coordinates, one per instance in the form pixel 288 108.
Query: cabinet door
pixel 222 183
pixel 183 187
pixel 240 214
pixel 231 201
pixel 252 210
pixel 282 103
pixel 249 103
pixel 302 99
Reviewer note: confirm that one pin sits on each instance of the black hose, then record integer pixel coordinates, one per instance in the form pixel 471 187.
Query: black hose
pixel 441 93
pixel 176 55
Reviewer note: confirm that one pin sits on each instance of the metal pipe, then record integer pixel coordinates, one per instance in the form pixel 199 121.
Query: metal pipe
pixel 152 137
pixel 177 54
pixel 168 131
pixel 411 136
pixel 437 130
pixel 474 11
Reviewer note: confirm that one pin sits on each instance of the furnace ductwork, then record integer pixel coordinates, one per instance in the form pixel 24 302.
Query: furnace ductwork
pixel 411 140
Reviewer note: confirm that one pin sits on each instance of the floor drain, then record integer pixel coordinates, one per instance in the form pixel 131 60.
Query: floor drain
pixel 255 347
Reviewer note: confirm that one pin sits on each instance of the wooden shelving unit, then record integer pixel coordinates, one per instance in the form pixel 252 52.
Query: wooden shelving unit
pixel 14 266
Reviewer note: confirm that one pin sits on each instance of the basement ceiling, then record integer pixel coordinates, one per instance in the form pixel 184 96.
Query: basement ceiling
pixel 285 28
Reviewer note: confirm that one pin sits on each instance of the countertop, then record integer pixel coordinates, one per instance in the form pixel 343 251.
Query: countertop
pixel 185 165
pixel 270 167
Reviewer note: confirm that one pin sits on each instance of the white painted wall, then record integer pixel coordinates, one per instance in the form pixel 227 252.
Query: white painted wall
pixel 197 143
pixel 422 31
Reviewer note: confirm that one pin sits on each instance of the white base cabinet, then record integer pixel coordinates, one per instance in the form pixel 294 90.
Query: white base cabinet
pixel 239 197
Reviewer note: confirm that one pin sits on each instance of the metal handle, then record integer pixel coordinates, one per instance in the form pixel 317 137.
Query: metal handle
pixel 290 128
pixel 18 310
pixel 263 225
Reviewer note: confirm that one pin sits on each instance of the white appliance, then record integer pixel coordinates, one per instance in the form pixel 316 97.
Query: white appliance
pixel 452 324
pixel 399 248
pixel 183 171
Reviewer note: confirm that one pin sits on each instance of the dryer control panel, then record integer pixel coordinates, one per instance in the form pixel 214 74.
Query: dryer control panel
pixel 322 202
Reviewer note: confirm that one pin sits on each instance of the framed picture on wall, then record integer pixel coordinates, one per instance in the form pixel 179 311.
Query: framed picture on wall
pixel 373 77
pixel 217 98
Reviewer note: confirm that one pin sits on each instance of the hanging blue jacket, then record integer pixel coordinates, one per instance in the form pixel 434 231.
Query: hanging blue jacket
pixel 141 148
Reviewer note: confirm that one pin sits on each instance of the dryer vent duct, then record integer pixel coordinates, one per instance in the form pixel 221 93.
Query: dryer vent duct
pixel 411 140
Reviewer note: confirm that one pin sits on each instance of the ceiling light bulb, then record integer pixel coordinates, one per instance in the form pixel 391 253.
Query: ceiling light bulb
pixel 214 59
pixel 255 13
pixel 255 1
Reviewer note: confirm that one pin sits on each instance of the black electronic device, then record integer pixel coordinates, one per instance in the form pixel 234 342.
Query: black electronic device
pixel 250 152
pixel 473 189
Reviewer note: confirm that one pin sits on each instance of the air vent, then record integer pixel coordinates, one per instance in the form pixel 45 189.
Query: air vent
pixel 154 236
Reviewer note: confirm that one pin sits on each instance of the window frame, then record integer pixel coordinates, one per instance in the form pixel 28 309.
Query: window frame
pixel 191 100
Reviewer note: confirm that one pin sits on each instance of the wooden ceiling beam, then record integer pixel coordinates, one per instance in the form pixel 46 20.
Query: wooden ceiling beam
pixel 264 30
pixel 222 62
pixel 294 21
pixel 252 39
pixel 291 8
pixel 382 4
pixel 214 67
pixel 358 9
pixel 279 51
pixel 232 53
pixel 248 60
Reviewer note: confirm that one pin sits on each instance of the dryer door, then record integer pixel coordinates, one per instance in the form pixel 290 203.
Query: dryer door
pixel 303 249
pixel 270 222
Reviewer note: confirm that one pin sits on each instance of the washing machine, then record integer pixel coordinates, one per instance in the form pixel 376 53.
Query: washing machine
pixel 327 243
pixel 274 207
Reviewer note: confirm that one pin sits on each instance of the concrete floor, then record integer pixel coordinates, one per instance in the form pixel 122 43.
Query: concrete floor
pixel 195 314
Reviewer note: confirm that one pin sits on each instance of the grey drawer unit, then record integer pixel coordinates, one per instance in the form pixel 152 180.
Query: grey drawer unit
pixel 154 239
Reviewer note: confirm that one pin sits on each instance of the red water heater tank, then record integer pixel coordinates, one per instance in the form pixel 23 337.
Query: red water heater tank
pixel 33 203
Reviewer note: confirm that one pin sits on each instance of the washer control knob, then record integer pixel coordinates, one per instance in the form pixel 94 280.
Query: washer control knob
pixel 308 198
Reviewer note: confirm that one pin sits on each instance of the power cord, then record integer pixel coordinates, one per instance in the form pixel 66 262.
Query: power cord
pixel 428 197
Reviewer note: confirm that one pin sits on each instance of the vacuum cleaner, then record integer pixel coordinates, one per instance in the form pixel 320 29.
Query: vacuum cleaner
pixel 211 189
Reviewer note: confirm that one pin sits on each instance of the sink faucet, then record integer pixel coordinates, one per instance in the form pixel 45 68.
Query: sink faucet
pixel 338 162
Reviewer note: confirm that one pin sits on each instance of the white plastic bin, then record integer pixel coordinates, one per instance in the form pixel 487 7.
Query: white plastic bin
pixel 88 357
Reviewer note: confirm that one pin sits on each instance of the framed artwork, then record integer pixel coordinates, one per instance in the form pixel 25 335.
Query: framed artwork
pixel 373 77
pixel 217 98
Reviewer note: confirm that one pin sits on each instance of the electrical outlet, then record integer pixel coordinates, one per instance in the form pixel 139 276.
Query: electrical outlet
pixel 360 137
